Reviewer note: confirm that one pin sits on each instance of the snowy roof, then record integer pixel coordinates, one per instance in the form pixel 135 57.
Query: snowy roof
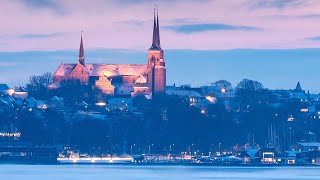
pixel 18 102
pixel 141 79
pixel 252 151
pixel 292 153
pixel 148 96
pixel 122 100
pixel 4 87
pixel 20 89
pixel 315 97
pixel 41 102
pixel 64 69
pixel 31 102
pixel 53 85
pixel 312 109
pixel 8 99
pixel 105 69
pixel 82 103
pixel 55 98
pixel 184 93
pixel 3 102
pixel 309 144
pixel 211 88
pixel 30 99
pixel 299 95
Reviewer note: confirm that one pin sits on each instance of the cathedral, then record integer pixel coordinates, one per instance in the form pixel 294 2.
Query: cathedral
pixel 120 79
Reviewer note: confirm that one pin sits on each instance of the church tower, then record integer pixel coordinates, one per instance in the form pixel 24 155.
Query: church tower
pixel 81 52
pixel 156 62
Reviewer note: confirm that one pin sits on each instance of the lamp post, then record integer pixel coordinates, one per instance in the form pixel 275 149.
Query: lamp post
pixel 150 148
pixel 132 147
pixel 171 147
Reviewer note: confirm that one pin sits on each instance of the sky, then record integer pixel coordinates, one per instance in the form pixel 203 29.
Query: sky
pixel 276 42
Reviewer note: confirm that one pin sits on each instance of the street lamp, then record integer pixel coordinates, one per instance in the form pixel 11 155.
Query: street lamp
pixel 171 147
pixel 150 148
pixel 131 147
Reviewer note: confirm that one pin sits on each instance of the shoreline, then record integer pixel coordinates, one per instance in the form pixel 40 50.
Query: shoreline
pixel 161 164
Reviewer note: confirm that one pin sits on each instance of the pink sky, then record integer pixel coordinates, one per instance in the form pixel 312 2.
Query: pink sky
pixel 56 25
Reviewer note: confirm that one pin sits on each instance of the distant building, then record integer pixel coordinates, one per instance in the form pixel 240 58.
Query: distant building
pixel 194 98
pixel 222 95
pixel 5 90
pixel 30 103
pixel 56 102
pixel 122 79
pixel 20 93
pixel 122 104
pixel 309 146
pixel 297 95
pixel 9 100
pixel 42 104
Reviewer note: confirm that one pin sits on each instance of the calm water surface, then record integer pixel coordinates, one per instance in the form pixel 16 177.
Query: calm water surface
pixel 105 172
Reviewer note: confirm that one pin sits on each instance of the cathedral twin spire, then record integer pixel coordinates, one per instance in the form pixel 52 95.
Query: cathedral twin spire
pixel 156 32
pixel 155 40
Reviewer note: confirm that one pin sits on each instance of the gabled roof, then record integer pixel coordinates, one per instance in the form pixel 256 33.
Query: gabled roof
pixel 117 69
pixel 141 79
pixel 252 152
pixel 184 93
pixel 4 87
pixel 20 89
pixel 317 144
pixel 64 69
pixel 56 98
pixel 122 100
pixel 106 69
pixel 298 87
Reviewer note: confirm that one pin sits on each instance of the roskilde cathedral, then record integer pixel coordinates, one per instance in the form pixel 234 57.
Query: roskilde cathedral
pixel 120 79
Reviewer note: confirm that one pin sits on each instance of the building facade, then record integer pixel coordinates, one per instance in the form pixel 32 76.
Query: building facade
pixel 113 79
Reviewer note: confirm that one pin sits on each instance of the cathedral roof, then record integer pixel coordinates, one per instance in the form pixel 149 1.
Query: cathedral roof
pixel 64 69
pixel 106 69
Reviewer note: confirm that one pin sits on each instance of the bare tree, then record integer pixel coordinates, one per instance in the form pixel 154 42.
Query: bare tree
pixel 37 86
pixel 249 85
pixel 223 84
pixel 249 92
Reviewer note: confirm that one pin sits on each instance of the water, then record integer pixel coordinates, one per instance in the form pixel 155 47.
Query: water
pixel 119 172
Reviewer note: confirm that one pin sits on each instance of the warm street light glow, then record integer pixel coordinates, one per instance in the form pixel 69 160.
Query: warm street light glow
pixel 100 103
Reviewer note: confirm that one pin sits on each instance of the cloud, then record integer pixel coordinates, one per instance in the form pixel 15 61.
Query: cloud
pixel 7 64
pixel 110 24
pixel 310 16
pixel 39 36
pixel 53 5
pixel 136 23
pixel 132 2
pixel 185 20
pixel 196 28
pixel 278 4
pixel 316 38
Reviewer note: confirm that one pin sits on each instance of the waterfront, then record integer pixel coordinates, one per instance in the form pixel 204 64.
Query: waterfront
pixel 97 172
